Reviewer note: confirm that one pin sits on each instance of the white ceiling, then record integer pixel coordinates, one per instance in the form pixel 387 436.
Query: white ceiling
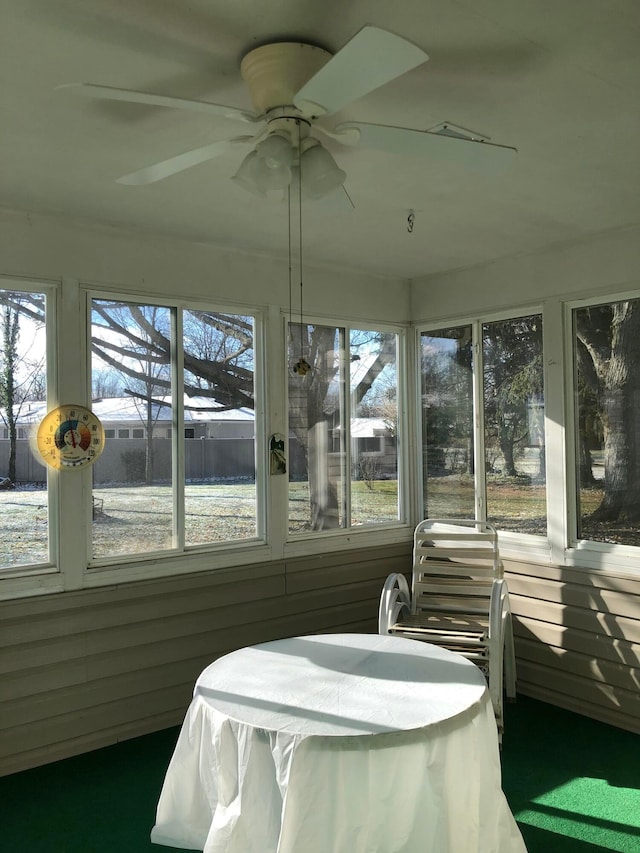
pixel 559 81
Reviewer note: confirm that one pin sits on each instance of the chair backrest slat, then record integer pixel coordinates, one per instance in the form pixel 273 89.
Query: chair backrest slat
pixel 455 562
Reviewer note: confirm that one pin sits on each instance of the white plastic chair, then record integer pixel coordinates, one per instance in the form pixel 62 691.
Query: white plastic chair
pixel 459 600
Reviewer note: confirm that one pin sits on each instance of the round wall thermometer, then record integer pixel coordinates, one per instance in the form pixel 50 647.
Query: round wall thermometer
pixel 70 437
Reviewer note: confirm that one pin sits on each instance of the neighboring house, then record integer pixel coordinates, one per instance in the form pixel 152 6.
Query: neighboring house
pixel 373 448
pixel 124 417
pixel 124 421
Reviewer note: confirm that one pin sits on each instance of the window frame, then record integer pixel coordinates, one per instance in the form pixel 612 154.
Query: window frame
pixel 69 303
pixel 517 540
pixel 515 545
pixel 182 559
pixel 299 544
pixel 560 547
pixel 38 578
pixel 586 553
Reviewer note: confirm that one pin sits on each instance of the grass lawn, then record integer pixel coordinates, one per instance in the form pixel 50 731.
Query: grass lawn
pixel 138 519
pixel 23 527
pixel 374 502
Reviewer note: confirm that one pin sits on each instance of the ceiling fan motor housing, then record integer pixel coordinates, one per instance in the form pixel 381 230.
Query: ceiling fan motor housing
pixel 274 73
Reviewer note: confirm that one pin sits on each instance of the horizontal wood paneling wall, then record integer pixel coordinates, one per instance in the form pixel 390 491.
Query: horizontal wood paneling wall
pixel 85 669
pixel 577 636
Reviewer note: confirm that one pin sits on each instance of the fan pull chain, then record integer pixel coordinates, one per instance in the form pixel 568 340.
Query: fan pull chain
pixel 300 228
pixel 301 367
pixel 290 263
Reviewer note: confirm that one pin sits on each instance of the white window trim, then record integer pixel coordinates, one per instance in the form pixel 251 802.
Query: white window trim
pixel 182 559
pixel 69 319
pixel 40 578
pixel 559 547
pixel 347 538
pixel 584 553
pixel 512 545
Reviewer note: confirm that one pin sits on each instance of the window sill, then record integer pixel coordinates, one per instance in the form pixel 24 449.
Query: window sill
pixel 343 540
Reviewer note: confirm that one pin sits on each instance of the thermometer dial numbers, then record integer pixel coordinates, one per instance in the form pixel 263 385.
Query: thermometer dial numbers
pixel 70 437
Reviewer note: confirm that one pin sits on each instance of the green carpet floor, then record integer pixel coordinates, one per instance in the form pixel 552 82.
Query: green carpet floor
pixel 573 785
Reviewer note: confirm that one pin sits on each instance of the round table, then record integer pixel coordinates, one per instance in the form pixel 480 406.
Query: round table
pixel 338 743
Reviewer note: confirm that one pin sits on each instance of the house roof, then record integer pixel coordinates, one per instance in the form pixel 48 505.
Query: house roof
pixel 120 409
pixel 368 427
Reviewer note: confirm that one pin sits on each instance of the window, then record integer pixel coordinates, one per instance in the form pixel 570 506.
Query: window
pixel 495 470
pixel 24 516
pixel 606 350
pixel 369 444
pixel 173 493
pixel 109 433
pixel 446 370
pixel 123 433
pixel 514 434
pixel 221 502
pixel 342 399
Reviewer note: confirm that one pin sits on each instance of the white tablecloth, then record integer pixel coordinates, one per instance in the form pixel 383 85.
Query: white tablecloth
pixel 338 743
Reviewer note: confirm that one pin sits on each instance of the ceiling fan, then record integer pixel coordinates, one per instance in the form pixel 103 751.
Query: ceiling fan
pixel 292 85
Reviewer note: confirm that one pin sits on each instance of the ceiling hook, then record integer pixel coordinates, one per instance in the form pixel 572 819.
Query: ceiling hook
pixel 411 218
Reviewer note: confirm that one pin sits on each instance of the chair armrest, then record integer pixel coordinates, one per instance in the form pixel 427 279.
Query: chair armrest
pixel 394 600
pixel 499 609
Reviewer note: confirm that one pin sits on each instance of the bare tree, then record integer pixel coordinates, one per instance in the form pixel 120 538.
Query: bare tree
pixel 20 374
pixel 124 336
pixel 106 383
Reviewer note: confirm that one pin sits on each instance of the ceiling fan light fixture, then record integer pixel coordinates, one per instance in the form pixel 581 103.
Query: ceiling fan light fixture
pixel 245 177
pixel 271 167
pixel 276 151
pixel 320 173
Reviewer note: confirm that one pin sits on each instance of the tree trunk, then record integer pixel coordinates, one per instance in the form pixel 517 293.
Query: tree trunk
pixel 586 477
pixel 323 479
pixel 10 333
pixel 507 442
pixel 620 382
pixel 12 452
pixel 311 425
pixel 506 448
pixel 312 416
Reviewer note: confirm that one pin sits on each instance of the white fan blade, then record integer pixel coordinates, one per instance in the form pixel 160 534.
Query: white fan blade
pixel 158 171
pixel 484 157
pixel 90 90
pixel 370 59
